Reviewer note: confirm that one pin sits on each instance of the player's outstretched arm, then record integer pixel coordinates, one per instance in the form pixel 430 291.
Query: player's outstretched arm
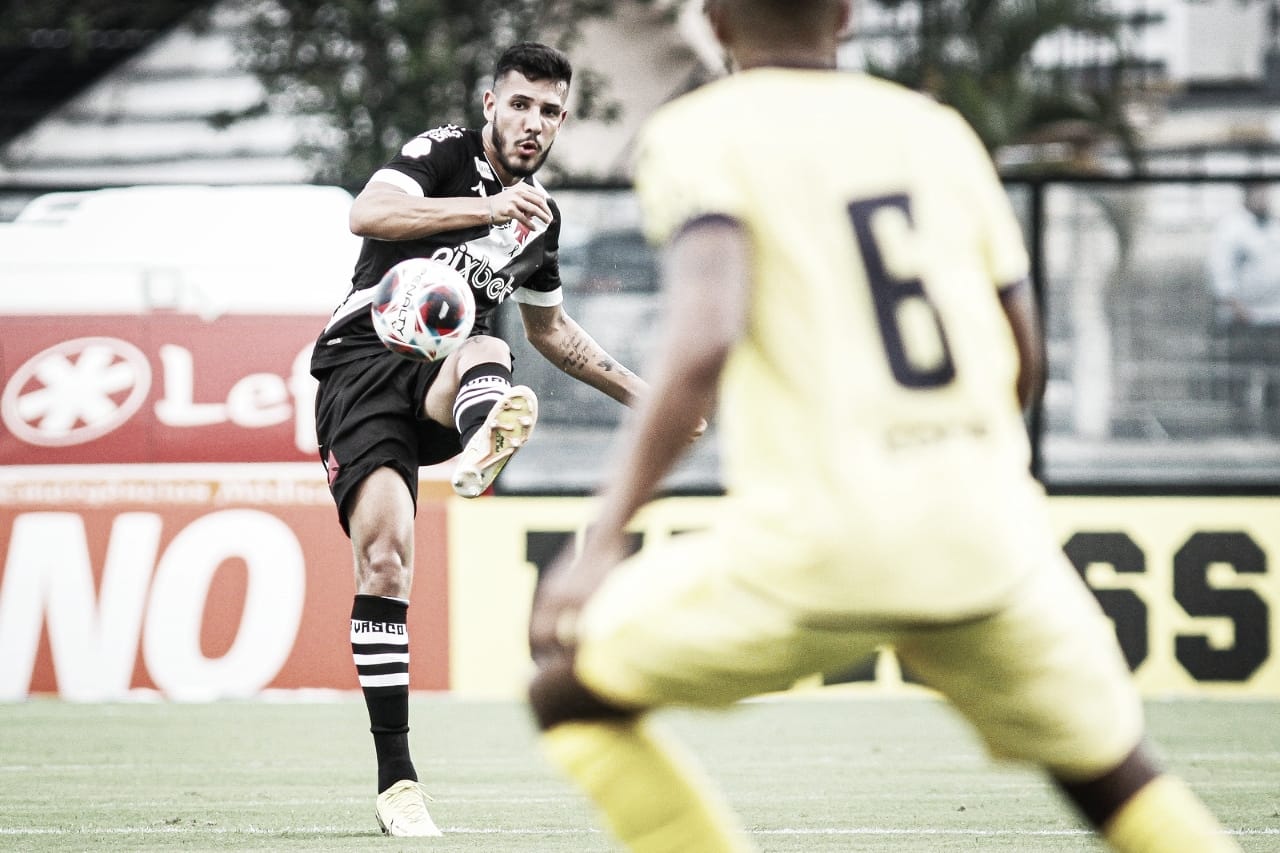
pixel 707 282
pixel 707 285
pixel 384 211
pixel 564 343
pixel 568 346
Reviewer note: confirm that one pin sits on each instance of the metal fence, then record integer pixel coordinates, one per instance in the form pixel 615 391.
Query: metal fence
pixel 1153 385
pixel 1152 388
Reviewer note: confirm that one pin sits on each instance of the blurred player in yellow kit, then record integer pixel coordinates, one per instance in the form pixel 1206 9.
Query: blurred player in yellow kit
pixel 845 274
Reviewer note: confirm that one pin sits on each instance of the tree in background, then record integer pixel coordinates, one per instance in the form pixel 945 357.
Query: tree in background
pixel 372 74
pixel 976 56
pixel 369 73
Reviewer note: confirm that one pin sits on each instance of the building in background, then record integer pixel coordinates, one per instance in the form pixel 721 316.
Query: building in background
pixel 1210 75
pixel 162 116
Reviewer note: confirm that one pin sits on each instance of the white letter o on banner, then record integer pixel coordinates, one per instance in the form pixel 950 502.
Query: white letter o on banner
pixel 179 592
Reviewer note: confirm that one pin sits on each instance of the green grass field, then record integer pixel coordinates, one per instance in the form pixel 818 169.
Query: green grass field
pixel 844 773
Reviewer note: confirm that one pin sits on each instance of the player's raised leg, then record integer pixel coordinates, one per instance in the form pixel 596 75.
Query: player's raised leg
pixel 494 419
pixel 505 429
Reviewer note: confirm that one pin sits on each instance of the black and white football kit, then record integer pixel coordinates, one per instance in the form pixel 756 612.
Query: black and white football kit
pixel 369 403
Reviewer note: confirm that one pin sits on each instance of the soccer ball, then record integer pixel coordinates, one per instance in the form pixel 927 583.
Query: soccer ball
pixel 423 309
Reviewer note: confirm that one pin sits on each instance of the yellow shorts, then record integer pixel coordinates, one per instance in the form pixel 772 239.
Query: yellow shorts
pixel 1042 677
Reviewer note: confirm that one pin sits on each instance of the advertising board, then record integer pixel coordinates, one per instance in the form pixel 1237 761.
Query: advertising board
pixel 1188 583
pixel 157 388
pixel 191 582
pixel 224 581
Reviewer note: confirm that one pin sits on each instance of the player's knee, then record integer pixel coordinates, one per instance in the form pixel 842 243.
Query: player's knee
pixel 383 571
pixel 557 696
pixel 484 348
pixel 382 544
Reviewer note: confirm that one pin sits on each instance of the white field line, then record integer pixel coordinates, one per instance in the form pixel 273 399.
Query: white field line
pixel 963 761
pixel 260 831
pixel 965 833
pixel 1173 755
pixel 209 804
pixel 458 830
pixel 226 804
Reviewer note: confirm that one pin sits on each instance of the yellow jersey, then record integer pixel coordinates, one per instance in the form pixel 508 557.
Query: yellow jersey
pixel 871 405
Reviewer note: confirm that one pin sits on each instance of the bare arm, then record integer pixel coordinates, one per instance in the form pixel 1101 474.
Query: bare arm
pixel 383 211
pixel 1019 307
pixel 564 343
pixel 707 279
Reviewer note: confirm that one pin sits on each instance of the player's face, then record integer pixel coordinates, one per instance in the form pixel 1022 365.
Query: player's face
pixel 524 117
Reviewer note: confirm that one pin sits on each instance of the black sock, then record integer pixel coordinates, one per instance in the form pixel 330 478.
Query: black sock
pixel 478 390
pixel 380 647
pixel 1101 798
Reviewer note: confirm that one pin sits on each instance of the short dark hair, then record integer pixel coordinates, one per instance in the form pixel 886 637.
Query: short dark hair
pixel 535 61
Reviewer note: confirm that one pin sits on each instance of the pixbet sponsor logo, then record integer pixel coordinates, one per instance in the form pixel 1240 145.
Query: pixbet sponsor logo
pixel 477 270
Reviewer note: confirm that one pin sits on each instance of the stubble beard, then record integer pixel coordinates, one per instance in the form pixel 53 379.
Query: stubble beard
pixel 499 143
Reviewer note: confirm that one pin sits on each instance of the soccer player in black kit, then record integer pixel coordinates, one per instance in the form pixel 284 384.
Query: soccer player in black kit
pixel 467 198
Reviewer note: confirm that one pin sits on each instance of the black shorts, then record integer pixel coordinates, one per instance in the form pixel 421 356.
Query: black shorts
pixel 369 416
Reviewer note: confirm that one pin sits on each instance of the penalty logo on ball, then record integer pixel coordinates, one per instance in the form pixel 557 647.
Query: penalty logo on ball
pixel 423 309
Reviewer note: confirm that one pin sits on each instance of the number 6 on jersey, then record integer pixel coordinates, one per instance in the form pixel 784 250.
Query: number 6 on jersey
pixel 893 294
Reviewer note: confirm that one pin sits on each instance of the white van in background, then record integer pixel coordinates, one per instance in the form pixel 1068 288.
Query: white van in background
pixel 167 323
pixel 192 249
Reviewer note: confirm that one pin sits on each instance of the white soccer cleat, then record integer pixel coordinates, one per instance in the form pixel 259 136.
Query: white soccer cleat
pixel 402 811
pixel 504 431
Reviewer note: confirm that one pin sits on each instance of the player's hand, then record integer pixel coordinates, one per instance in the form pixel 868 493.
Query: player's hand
pixel 521 202
pixel 565 588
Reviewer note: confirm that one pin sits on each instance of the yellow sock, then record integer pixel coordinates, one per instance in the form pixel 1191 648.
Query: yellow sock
pixel 1166 817
pixel 654 799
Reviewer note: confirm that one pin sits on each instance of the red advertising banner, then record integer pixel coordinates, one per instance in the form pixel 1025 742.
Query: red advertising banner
pixel 157 388
pixel 199 587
